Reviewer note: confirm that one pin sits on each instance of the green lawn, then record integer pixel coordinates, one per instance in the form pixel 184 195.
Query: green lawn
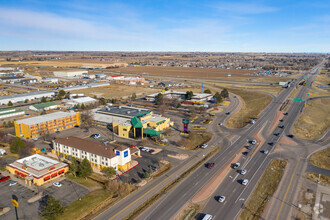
pixel 85 182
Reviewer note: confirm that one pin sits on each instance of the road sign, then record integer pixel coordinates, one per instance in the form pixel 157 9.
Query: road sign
pixel 185 121
pixel 15 203
pixel 298 100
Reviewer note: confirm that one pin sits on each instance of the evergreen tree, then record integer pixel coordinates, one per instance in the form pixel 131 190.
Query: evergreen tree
pixel 17 145
pixel 85 169
pixel 10 103
pixel 52 209
pixel 225 93
pixel 74 166
pixel 109 172
pixel 43 99
pixel 208 91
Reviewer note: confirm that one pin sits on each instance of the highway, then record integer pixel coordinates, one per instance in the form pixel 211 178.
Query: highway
pixel 188 188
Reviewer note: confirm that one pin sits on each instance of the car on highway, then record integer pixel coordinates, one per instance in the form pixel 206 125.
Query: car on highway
pixel 95 136
pixel 221 198
pixel 265 151
pixel 243 171
pixel 152 167
pixel 209 165
pixel 12 183
pixel 245 182
pixel 253 142
pixel 236 165
pixel 204 146
pixel 207 217
pixel 57 184
pixel 4 178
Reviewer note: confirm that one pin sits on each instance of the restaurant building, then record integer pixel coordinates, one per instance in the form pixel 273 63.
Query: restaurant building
pixel 37 169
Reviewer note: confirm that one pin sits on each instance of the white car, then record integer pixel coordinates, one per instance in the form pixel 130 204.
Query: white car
pixel 245 182
pixel 253 142
pixel 221 198
pixel 204 146
pixel 12 183
pixel 265 151
pixel 236 165
pixel 57 184
pixel 243 171
pixel 220 124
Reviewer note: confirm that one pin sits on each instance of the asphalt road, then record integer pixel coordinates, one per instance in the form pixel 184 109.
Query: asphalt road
pixel 167 207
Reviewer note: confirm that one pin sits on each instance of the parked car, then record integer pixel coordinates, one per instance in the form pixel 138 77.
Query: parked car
pixel 95 136
pixel 151 151
pixel 253 142
pixel 236 165
pixel 12 183
pixel 271 143
pixel 290 135
pixel 243 171
pixel 227 113
pixel 57 184
pixel 4 178
pixel 253 121
pixel 209 165
pixel 221 198
pixel 265 151
pixel 153 167
pixel 245 182
pixel 245 153
pixel 281 126
pixel 204 146
pixel 277 134
pixel 249 147
pixel 286 113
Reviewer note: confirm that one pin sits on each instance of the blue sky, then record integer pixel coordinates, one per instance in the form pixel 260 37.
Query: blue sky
pixel 216 26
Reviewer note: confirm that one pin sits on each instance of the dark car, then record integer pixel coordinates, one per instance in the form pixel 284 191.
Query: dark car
pixel 151 151
pixel 227 113
pixel 281 120
pixel 249 147
pixel 209 165
pixel 290 135
pixel 285 113
pixel 153 167
pixel 245 153
pixel 281 126
pixel 271 143
pixel 277 134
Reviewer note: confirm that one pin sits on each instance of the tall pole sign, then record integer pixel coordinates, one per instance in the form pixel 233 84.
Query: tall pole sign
pixel 185 123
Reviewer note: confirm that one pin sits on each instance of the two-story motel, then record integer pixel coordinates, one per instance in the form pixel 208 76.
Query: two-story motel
pixel 99 155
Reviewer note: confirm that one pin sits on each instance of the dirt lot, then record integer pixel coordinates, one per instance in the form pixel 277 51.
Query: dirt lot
pixel 314 120
pixel 186 72
pixel 321 158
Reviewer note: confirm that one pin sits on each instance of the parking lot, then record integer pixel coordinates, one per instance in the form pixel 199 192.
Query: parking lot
pixel 66 194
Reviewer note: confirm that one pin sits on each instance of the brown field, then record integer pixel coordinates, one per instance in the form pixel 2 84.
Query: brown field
pixel 314 121
pixel 186 72
pixel 321 159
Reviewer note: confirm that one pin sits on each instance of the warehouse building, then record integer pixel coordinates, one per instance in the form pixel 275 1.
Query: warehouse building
pixel 4 100
pixel 44 106
pixel 131 122
pixel 46 124
pixel 70 103
pixel 37 169
pixel 99 155
pixel 10 112
pixel 91 85
pixel 70 73
pixel 181 96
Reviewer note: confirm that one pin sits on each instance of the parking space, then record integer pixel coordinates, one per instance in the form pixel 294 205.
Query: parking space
pixel 66 194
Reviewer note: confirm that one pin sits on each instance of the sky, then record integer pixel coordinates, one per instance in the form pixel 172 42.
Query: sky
pixel 179 25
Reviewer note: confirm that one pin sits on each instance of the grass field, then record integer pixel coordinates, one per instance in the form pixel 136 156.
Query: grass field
pixel 253 104
pixel 195 139
pixel 321 158
pixel 85 182
pixel 84 206
pixel 314 120
pixel 273 79
pixel 315 177
pixel 186 72
pixel 266 187
pixel 270 89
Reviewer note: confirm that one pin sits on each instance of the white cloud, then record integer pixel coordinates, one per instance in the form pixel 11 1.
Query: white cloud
pixel 243 8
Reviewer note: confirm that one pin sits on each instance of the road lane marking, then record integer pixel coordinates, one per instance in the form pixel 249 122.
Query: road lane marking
pixel 287 190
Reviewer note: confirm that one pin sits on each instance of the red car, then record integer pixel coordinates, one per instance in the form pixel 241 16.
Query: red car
pixel 210 165
pixel 151 151
pixel 4 178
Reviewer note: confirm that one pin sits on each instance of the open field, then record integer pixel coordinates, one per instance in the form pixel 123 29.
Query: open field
pixel 85 182
pixel 195 139
pixel 186 72
pixel 274 79
pixel 266 187
pixel 314 120
pixel 252 104
pixel 270 89
pixel 321 159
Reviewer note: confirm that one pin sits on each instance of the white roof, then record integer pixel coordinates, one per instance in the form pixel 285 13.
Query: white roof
pixel 83 100
pixel 45 118
pixel 37 162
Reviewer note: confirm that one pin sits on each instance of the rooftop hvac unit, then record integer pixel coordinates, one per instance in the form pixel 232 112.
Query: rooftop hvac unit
pixel 128 112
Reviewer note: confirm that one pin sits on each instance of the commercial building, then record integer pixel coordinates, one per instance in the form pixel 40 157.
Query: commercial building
pixel 131 122
pixel 49 80
pixel 199 98
pixel 92 85
pixel 70 103
pixel 46 124
pixel 99 155
pixel 130 80
pixel 37 169
pixel 23 96
pixel 44 106
pixel 10 112
pixel 70 73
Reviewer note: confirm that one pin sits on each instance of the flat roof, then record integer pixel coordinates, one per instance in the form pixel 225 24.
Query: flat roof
pixel 44 105
pixel 11 112
pixel 26 94
pixel 37 165
pixel 45 118
pixel 124 111
pixel 83 100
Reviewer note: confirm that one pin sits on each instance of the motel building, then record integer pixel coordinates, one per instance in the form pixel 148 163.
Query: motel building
pixel 37 169
pixel 99 155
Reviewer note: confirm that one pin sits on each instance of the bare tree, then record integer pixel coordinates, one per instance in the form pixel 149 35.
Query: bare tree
pixel 87 119
pixel 163 108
